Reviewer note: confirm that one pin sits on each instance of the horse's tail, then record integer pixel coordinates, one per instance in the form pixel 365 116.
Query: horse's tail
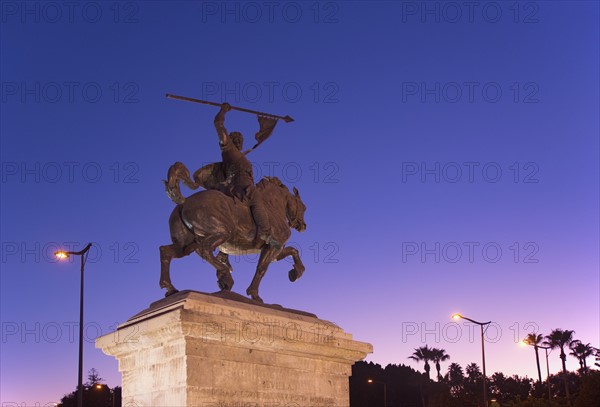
pixel 178 172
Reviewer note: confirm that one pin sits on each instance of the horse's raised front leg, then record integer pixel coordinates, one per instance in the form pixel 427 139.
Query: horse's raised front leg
pixel 167 253
pixel 205 249
pixel 298 268
pixel 267 256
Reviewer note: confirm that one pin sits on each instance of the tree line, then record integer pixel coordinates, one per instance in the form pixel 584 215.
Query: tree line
pixel 95 393
pixel 401 386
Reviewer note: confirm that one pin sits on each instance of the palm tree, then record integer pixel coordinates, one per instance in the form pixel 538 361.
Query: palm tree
pixel 473 372
pixel 472 382
pixel 581 351
pixel 424 353
pixel 455 377
pixel 439 355
pixel 534 340
pixel 559 339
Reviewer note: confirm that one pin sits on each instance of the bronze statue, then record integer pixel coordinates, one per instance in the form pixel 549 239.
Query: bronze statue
pixel 232 215
pixel 239 177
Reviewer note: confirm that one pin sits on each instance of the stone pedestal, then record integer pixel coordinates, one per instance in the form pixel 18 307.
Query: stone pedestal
pixel 223 350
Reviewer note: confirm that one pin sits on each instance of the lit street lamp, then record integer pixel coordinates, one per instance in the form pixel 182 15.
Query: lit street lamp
pixel 384 390
pixel 526 342
pixel 481 325
pixel 61 255
pixel 111 391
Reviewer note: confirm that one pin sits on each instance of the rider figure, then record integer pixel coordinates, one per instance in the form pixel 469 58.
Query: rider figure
pixel 240 177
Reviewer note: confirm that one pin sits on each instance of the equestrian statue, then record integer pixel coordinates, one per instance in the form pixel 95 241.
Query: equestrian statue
pixel 232 214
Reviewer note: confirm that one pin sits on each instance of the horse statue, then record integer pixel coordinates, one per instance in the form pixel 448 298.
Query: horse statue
pixel 210 220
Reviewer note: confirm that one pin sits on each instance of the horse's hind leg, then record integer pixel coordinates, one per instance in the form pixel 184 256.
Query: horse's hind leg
pixel 298 268
pixel 224 279
pixel 167 253
pixel 205 249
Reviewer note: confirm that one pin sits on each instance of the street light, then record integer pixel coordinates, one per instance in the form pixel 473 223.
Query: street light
pixel 481 325
pixel 526 342
pixel 384 390
pixel 62 255
pixel 111 391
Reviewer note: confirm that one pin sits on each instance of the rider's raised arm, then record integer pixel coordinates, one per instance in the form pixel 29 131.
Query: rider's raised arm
pixel 220 124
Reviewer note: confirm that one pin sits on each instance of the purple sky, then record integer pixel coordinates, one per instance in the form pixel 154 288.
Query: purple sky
pixel 447 154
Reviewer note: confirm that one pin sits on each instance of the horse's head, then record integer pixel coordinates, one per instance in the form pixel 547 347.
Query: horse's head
pixel 295 209
pixel 276 192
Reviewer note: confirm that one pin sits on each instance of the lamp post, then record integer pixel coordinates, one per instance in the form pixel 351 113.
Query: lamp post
pixel 61 255
pixel 526 342
pixel 481 325
pixel 111 392
pixel 384 390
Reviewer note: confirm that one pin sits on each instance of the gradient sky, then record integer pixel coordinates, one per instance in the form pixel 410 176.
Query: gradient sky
pixel 447 154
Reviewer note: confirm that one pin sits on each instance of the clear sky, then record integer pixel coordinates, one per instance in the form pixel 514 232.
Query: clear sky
pixel 448 154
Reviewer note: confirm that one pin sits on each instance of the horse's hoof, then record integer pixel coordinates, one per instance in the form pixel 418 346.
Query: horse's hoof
pixel 254 296
pixel 225 286
pixel 224 280
pixel 295 273
pixel 171 291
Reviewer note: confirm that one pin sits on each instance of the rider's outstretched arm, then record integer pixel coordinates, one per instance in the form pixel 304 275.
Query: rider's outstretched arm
pixel 220 124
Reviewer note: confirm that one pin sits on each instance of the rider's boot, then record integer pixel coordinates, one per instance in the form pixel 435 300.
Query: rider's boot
pixel 266 237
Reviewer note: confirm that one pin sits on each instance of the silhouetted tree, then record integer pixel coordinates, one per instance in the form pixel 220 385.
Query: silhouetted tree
pixel 557 385
pixel 95 394
pixel 559 339
pixel 439 355
pixel 509 389
pixel 423 354
pixel 402 385
pixel 535 339
pixel 473 372
pixel 581 351
pixel 473 384
pixel 93 378
pixel 455 378
pixel 408 388
pixel 589 391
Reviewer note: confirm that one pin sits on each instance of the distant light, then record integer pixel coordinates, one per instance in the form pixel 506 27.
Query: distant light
pixel 61 255
pixel 524 342
pixel 98 386
pixel 456 316
pixel 370 381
